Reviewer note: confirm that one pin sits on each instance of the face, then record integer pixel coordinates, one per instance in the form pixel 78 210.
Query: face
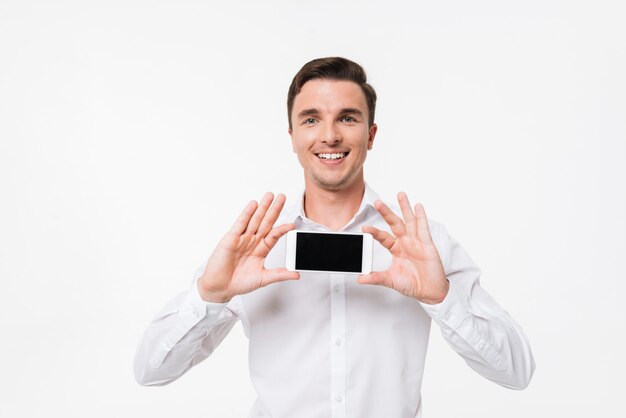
pixel 330 132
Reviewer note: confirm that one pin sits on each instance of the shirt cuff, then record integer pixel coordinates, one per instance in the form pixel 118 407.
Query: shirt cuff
pixel 195 309
pixel 452 311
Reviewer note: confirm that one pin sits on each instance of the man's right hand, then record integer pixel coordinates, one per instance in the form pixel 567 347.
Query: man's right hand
pixel 236 265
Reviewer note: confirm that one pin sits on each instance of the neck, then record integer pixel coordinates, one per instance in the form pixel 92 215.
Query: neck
pixel 333 208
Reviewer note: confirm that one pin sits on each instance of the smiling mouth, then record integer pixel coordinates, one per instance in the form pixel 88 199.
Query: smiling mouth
pixel 332 156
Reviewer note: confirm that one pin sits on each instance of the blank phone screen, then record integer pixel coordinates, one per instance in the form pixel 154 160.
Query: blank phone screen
pixel 329 252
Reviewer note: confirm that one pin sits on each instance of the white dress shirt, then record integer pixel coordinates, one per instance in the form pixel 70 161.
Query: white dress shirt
pixel 327 346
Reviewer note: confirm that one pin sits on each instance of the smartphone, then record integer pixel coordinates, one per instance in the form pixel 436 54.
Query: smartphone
pixel 329 252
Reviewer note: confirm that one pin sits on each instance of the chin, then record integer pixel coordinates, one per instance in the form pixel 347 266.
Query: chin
pixel 333 185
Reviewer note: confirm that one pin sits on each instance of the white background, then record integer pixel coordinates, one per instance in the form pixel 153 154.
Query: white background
pixel 133 132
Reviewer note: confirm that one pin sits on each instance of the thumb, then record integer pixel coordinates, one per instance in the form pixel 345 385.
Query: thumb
pixel 376 277
pixel 278 275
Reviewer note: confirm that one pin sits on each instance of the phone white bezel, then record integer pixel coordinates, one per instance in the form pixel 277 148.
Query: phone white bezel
pixel 366 256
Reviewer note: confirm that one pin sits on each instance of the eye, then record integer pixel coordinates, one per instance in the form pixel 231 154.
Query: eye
pixel 309 121
pixel 348 119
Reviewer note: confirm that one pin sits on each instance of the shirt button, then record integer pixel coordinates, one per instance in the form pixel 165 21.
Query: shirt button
pixel 337 288
pixel 338 342
pixel 196 314
pixel 339 398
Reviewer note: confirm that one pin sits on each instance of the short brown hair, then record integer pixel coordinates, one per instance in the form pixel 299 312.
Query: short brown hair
pixel 332 68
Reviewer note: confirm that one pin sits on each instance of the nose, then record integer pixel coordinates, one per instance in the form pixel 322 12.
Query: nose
pixel 331 134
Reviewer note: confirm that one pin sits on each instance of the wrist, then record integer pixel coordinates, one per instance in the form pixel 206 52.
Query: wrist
pixel 209 295
pixel 440 296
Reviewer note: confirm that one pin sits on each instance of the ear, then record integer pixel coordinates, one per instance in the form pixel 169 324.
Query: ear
pixel 372 135
pixel 293 145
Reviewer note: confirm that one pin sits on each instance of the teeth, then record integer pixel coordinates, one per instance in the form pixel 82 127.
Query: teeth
pixel 335 156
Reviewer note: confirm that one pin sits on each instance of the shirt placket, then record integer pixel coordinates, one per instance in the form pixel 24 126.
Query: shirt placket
pixel 338 345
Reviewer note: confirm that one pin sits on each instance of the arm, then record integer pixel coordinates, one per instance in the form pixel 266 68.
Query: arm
pixel 475 326
pixel 181 335
pixel 449 290
pixel 189 328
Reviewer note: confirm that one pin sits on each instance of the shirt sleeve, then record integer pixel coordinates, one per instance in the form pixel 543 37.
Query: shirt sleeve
pixel 473 323
pixel 181 335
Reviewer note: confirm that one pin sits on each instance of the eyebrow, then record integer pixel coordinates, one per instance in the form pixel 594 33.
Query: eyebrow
pixel 351 110
pixel 308 112
pixel 313 111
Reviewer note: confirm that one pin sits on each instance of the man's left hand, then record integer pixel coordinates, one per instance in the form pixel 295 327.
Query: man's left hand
pixel 416 269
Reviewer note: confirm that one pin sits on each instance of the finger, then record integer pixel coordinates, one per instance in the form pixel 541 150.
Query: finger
pixel 272 215
pixel 423 231
pixel 278 275
pixel 377 277
pixel 274 235
pixel 409 217
pixel 385 238
pixel 394 221
pixel 243 219
pixel 259 213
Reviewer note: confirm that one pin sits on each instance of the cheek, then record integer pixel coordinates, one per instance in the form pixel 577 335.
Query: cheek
pixel 304 141
pixel 361 141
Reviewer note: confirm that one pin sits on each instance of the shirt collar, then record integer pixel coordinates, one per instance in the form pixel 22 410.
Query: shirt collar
pixel 295 211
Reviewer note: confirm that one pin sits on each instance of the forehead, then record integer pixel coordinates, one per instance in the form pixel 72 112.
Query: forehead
pixel 330 96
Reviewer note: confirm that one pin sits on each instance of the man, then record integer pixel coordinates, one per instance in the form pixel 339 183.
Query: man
pixel 334 345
